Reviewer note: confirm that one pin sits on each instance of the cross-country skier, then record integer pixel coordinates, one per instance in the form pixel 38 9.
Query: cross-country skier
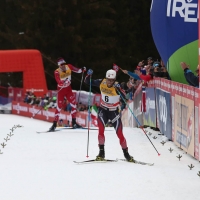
pixel 109 110
pixel 63 79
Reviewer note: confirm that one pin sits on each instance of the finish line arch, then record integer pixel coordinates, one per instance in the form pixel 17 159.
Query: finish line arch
pixel 30 63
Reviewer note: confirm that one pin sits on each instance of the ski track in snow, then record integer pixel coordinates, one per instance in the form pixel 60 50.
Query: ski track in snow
pixel 40 166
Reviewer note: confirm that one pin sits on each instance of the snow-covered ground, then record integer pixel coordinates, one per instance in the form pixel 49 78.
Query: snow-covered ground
pixel 40 166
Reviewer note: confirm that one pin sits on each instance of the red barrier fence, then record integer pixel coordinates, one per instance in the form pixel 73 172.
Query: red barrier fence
pixel 177 110
pixel 23 109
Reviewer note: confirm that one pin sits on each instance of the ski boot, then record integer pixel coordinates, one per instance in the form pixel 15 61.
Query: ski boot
pixel 127 156
pixel 101 155
pixel 53 127
pixel 74 124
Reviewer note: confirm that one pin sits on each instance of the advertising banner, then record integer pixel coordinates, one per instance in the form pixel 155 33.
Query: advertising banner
pixel 83 97
pixel 166 85
pixel 163 100
pixel 184 124
pixel 16 94
pixel 151 83
pixel 173 92
pixel 174 18
pixel 196 125
pixel 137 108
pixel 150 114
pixel 188 116
pixel 130 115
pixel 23 109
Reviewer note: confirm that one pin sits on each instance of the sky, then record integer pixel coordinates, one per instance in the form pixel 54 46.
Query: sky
pixel 40 166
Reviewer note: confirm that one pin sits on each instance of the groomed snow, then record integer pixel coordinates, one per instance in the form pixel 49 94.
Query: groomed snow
pixel 40 166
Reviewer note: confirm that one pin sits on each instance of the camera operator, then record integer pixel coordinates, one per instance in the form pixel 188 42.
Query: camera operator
pixel 160 71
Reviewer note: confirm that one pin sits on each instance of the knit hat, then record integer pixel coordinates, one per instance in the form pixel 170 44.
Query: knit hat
pixel 61 61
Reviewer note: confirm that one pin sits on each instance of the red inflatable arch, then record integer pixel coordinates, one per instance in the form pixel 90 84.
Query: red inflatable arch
pixel 30 63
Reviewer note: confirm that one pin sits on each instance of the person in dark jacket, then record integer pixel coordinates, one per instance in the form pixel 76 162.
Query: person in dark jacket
pixel 192 79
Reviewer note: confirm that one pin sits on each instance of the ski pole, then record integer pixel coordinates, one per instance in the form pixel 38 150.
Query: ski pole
pixel 81 85
pixel 137 120
pixel 36 112
pixel 42 107
pixel 89 118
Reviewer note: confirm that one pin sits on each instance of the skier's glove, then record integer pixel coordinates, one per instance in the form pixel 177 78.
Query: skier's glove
pixel 84 69
pixel 89 72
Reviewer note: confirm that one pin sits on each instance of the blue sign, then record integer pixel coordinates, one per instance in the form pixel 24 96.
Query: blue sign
pixel 163 104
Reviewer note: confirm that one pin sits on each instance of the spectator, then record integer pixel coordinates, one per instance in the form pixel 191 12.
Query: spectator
pixel 32 98
pixel 189 75
pixel 68 106
pixel 26 97
pixel 160 71
pixel 51 104
pixel 37 101
pixel 140 65
pixel 129 88
pixel 143 76
pixel 150 61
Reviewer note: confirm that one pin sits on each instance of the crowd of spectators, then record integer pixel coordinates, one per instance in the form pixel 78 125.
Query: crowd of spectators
pixel 143 73
pixel 47 102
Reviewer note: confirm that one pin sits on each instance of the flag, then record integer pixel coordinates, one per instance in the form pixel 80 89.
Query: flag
pixel 143 105
pixel 94 114
pixel 116 67
pixel 94 111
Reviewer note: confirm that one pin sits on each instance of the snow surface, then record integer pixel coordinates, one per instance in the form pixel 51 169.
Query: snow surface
pixel 40 166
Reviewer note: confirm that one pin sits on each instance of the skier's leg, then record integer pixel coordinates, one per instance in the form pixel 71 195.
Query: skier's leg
pixel 117 123
pixel 101 120
pixel 72 100
pixel 60 97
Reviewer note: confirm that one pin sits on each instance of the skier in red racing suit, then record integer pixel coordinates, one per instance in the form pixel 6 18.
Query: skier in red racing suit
pixel 63 79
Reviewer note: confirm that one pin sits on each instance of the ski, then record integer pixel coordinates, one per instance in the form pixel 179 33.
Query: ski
pixel 70 128
pixel 138 162
pixel 64 128
pixel 46 131
pixel 96 161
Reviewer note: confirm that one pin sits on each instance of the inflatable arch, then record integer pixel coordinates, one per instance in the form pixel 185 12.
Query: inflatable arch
pixel 30 63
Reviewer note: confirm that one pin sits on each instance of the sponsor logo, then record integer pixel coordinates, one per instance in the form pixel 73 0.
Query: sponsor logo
pixel 185 9
pixel 19 108
pixel 138 110
pixel 48 114
pixel 163 110
pixel 11 93
pixel 150 104
pixel 34 90
pixel 80 120
pixel 19 94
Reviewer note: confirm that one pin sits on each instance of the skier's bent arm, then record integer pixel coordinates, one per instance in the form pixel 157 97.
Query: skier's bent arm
pixel 95 82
